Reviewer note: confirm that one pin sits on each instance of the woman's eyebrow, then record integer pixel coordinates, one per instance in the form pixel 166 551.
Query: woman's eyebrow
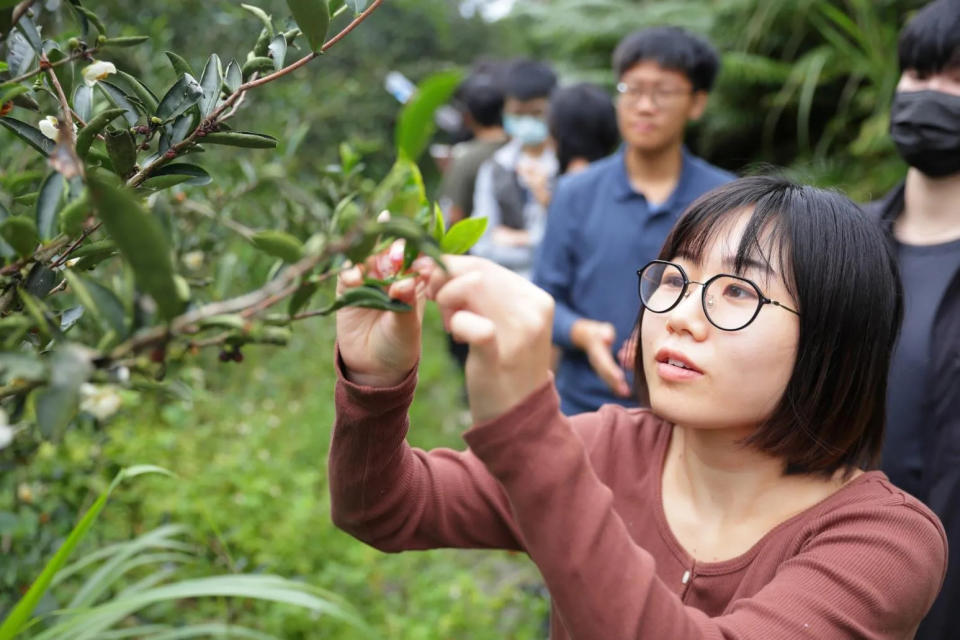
pixel 764 267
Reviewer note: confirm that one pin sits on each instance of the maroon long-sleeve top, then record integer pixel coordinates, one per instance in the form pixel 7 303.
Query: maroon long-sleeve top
pixel 581 496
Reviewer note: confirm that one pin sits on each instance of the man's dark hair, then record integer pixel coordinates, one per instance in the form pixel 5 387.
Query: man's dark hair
pixel 672 48
pixel 583 123
pixel 529 79
pixel 842 273
pixel 482 97
pixel 930 42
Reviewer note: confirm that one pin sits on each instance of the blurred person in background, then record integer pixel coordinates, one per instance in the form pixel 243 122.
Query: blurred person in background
pixel 610 219
pixel 513 186
pixel 583 125
pixel 921 217
pixel 480 98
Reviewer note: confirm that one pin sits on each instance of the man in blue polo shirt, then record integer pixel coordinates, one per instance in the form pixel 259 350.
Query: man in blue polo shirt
pixel 609 220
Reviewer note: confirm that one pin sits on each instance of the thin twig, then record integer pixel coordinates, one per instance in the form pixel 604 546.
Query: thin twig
pixel 49 65
pixel 211 120
pixel 66 254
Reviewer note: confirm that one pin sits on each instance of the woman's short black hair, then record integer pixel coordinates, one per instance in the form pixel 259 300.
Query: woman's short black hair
pixel 482 97
pixel 841 271
pixel 930 42
pixel 529 79
pixel 583 123
pixel 671 48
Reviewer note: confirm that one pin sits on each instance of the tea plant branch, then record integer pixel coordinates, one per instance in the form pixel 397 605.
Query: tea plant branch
pixel 186 323
pixel 66 127
pixel 66 254
pixel 77 55
pixel 211 121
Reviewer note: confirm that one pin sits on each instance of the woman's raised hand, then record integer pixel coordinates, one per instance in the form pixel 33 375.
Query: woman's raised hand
pixel 379 348
pixel 507 322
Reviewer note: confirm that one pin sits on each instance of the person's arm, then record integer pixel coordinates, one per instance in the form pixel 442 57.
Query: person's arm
pixel 485 206
pixel 868 573
pixel 395 497
pixel 554 265
pixel 554 272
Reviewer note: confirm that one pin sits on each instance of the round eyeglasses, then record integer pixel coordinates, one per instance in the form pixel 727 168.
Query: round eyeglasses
pixel 729 302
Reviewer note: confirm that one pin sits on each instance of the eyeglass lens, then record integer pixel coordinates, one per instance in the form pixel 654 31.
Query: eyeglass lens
pixel 729 302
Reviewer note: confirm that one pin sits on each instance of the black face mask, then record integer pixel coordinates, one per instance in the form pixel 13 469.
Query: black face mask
pixel 925 126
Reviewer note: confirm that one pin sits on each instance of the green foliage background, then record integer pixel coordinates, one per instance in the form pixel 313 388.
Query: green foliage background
pixel 805 84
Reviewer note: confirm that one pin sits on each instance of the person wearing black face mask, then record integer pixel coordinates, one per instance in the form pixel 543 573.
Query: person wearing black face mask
pixel 922 218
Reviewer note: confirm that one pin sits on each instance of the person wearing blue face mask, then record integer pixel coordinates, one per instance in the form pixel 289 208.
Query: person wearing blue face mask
pixel 513 187
pixel 921 217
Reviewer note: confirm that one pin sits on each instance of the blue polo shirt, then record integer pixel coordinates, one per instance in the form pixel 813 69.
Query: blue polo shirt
pixel 599 232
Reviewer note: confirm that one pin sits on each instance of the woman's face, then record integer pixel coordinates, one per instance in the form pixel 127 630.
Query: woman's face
pixel 734 379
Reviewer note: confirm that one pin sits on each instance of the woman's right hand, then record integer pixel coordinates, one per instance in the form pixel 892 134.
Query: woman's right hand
pixel 379 348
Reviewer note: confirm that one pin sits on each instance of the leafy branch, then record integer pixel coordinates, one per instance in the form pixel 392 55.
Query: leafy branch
pixel 210 122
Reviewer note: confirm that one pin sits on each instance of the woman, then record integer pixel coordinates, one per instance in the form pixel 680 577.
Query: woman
pixel 738 506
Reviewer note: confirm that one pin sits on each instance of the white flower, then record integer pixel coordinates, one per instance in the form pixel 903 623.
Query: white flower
pixel 50 127
pixel 384 216
pixel 97 71
pixel 193 260
pixel 100 402
pixel 6 433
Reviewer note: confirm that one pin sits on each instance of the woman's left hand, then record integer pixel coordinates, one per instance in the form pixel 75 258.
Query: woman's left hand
pixel 506 320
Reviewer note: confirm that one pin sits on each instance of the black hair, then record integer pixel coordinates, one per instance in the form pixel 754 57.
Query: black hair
pixel 482 97
pixel 583 123
pixel 842 273
pixel 529 79
pixel 930 42
pixel 671 48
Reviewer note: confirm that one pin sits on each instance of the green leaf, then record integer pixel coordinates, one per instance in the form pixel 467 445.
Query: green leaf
pixel 185 93
pixel 368 298
pixel 99 301
pixel 301 297
pixel 5 249
pixel 4 66
pixel 233 77
pixel 278 244
pixel 48 204
pixel 178 173
pixel 92 17
pixel 141 241
pixel 125 41
pixel 415 126
pixel 463 235
pixel 38 312
pixel 278 51
pixel 83 102
pixel 74 214
pixel 246 139
pixel 121 100
pixel 439 229
pixel 88 134
pixel 211 81
pixel 257 64
pixel 21 234
pixel 262 16
pixel 401 192
pixel 357 5
pixel 142 91
pixel 19 616
pixel 313 18
pixel 20 55
pixel 122 150
pixel 29 30
pixel 180 66
pixel 13 92
pixel 29 134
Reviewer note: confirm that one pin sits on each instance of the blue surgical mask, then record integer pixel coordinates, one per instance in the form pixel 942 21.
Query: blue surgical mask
pixel 527 129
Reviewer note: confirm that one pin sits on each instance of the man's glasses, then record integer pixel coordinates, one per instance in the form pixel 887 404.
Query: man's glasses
pixel 729 302
pixel 659 96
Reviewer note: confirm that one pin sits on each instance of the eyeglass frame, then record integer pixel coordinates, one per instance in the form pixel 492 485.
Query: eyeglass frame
pixel 634 93
pixel 761 298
